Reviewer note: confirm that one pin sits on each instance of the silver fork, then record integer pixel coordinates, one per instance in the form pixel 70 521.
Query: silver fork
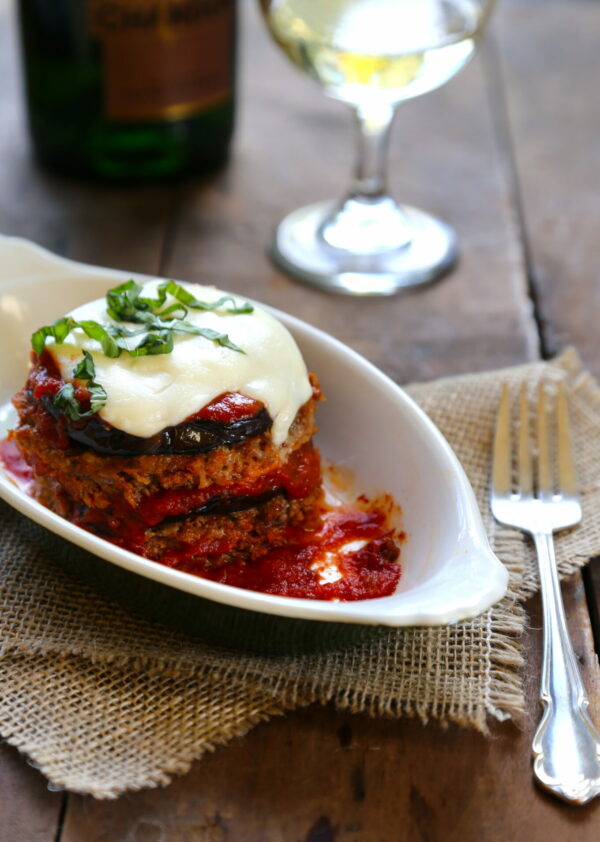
pixel 566 745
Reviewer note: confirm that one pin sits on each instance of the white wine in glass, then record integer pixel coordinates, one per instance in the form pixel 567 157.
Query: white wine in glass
pixel 372 54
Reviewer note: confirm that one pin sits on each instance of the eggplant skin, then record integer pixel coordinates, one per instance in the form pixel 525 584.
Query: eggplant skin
pixel 197 436
pixel 226 505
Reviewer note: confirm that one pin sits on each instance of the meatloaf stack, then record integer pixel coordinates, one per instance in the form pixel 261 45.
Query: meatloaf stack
pixel 212 489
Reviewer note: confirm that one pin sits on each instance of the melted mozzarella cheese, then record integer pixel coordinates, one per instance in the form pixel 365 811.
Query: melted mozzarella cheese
pixel 147 394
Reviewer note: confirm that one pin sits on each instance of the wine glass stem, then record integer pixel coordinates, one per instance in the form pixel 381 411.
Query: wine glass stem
pixel 373 136
pixel 368 221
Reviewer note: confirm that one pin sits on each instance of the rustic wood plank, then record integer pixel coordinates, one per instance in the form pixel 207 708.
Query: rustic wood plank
pixel 547 59
pixel 294 147
pixel 591 579
pixel 322 775
pixel 114 226
pixel 547 62
pixel 29 811
pixel 319 774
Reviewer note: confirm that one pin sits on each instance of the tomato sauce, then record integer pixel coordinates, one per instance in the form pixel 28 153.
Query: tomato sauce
pixel 45 380
pixel 44 377
pixel 298 477
pixel 351 556
pixel 227 408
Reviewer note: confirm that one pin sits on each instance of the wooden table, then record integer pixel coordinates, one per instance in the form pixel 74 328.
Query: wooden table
pixel 508 153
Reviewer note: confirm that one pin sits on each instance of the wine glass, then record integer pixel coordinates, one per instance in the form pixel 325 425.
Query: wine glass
pixel 372 54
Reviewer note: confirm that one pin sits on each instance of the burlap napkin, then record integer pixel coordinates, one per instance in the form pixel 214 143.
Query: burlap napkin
pixel 103 701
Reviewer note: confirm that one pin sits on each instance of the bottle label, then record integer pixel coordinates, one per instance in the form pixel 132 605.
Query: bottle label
pixel 164 59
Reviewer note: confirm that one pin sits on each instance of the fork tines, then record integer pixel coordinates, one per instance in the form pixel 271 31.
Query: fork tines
pixel 547 426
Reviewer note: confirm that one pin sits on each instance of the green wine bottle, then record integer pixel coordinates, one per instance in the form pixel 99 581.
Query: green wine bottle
pixel 129 89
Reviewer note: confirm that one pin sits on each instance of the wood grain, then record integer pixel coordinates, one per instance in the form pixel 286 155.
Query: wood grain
pixel 319 775
pixel 547 72
pixel 29 812
pixel 549 58
pixel 294 147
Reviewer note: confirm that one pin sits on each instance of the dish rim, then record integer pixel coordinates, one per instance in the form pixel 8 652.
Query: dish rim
pixel 378 611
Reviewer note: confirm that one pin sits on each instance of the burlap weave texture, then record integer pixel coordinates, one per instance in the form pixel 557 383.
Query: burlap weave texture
pixel 104 701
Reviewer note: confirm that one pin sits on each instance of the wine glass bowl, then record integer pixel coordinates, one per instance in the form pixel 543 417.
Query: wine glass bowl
pixel 373 55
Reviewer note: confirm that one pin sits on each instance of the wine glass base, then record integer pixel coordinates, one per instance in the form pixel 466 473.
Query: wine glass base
pixel 302 253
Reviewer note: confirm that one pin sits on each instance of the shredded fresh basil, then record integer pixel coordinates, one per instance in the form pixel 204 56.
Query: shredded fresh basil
pixel 66 399
pixel 96 331
pixel 58 331
pixel 85 368
pixel 125 303
pixel 97 397
pixel 154 343
pixel 186 298
pixel 178 326
pixel 63 327
pixel 174 326
pixel 159 321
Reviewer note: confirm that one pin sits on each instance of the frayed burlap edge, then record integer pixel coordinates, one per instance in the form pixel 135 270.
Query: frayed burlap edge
pixel 94 765
pixel 261 696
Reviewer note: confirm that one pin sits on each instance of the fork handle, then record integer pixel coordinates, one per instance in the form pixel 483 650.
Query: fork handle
pixel 566 745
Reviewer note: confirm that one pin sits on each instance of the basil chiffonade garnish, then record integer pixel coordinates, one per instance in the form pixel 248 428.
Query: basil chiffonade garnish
pixel 66 399
pixel 159 323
